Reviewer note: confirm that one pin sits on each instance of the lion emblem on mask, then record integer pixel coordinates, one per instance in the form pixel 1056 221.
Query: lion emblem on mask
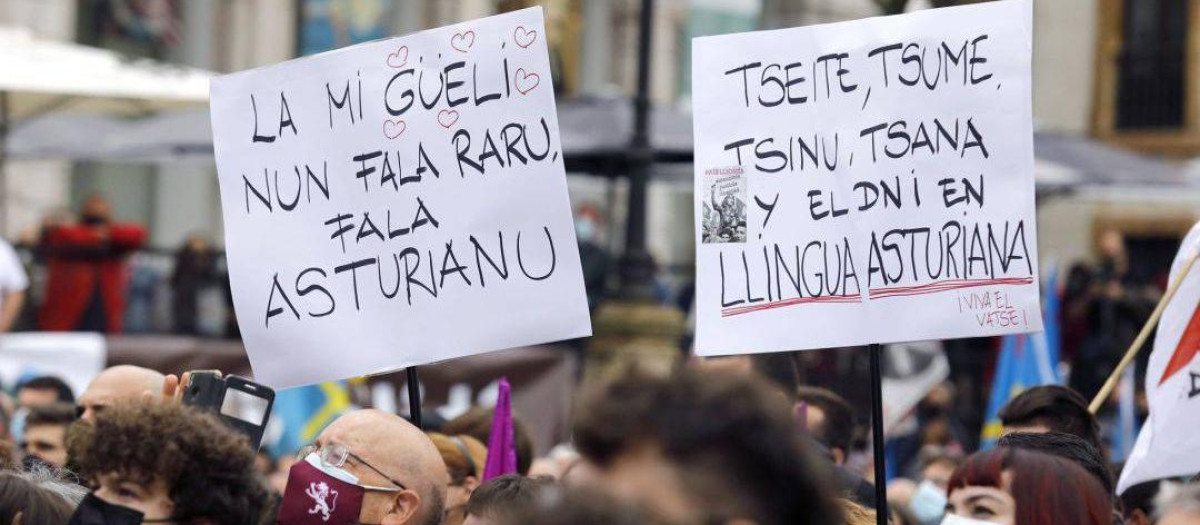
pixel 324 499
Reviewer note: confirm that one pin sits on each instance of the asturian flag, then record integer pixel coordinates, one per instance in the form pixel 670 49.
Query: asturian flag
pixel 1169 443
pixel 1025 361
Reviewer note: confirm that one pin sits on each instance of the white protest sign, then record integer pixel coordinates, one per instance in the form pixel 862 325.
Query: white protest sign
pixel 866 182
pixel 398 202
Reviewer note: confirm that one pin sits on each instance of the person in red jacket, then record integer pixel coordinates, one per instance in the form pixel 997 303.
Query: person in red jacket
pixel 88 270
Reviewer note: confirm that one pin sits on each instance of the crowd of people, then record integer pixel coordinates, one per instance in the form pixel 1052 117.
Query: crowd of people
pixel 77 272
pixel 737 440
pixel 724 441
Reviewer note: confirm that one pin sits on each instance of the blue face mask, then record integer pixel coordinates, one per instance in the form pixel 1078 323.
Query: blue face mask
pixel 17 426
pixel 584 230
pixel 928 503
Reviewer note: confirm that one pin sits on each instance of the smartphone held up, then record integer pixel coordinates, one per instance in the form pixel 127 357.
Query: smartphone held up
pixel 241 403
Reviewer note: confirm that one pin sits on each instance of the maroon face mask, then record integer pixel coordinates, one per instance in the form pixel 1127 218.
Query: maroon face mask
pixel 320 495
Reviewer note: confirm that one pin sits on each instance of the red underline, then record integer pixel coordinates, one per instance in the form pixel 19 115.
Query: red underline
pixel 790 302
pixel 943 286
pixel 881 293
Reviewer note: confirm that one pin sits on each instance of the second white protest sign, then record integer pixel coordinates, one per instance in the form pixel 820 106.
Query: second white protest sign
pixel 398 203
pixel 866 182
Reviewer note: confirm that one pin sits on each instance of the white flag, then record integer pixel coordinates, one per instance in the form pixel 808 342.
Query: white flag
pixel 1169 444
pixel 910 372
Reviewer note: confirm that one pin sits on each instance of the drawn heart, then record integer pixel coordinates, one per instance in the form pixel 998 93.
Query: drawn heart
pixel 526 81
pixel 399 58
pixel 524 37
pixel 447 118
pixel 394 128
pixel 463 41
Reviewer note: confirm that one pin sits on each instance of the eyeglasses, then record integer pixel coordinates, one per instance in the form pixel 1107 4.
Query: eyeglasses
pixel 335 455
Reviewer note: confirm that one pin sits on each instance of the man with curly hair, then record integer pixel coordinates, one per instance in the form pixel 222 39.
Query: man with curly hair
pixel 170 463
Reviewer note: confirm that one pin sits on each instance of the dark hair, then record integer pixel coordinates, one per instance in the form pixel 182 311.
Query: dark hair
pixel 33 503
pixel 780 370
pixel 837 430
pixel 61 388
pixel 1055 407
pixel 1065 446
pixel 207 467
pixel 578 507
pixel 732 437
pixel 1047 490
pixel 57 414
pixel 477 423
pixel 1140 497
pixel 8 457
pixel 507 496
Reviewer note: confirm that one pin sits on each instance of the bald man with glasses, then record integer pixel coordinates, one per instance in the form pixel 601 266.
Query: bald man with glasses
pixel 400 468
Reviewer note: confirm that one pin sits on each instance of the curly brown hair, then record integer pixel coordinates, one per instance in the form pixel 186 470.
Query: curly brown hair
pixel 208 467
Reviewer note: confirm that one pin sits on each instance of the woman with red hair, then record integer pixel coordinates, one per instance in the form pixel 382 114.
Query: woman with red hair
pixel 1019 487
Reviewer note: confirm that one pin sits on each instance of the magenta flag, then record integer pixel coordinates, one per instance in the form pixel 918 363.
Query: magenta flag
pixel 502 445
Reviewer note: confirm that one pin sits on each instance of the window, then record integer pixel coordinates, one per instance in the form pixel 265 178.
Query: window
pixel 332 24
pixel 1152 65
pixel 139 28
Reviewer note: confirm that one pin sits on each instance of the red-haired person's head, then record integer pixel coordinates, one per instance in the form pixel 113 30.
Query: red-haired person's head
pixel 1019 487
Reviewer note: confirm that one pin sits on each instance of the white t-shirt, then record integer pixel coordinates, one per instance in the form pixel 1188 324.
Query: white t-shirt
pixel 12 272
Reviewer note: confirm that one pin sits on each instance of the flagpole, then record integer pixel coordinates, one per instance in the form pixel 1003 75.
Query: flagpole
pixel 1132 352
pixel 414 396
pixel 881 504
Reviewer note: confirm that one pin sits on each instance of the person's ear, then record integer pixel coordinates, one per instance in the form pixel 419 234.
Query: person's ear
pixel 470 484
pixel 1138 517
pixel 17 519
pixel 405 507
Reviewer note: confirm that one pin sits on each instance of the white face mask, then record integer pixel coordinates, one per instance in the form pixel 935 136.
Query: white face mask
pixel 955 519
pixel 315 460
pixel 928 503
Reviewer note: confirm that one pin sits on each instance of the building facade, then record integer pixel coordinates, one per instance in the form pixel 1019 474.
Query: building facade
pixel 1121 71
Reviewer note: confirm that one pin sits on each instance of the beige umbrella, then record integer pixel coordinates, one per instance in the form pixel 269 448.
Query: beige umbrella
pixel 43 76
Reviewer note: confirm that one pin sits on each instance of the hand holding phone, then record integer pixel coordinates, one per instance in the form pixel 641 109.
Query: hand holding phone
pixel 241 403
